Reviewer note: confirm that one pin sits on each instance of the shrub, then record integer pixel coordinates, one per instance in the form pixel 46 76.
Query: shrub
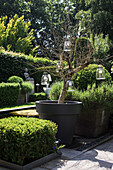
pixel 31 138
pixel 15 79
pixel 88 76
pixel 95 97
pixel 55 90
pixel 37 96
pixel 9 93
pixel 27 87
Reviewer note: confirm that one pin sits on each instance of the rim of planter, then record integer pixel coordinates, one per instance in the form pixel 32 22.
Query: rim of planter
pixel 56 102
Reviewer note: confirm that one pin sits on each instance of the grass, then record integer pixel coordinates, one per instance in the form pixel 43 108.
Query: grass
pixel 17 106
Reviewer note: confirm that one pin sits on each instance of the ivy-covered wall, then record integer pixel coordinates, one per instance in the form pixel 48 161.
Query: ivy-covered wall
pixel 14 64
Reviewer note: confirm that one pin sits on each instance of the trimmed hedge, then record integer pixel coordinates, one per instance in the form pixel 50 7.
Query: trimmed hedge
pixel 9 93
pixel 15 79
pixel 15 63
pixel 31 138
pixel 37 96
pixel 27 87
pixel 88 76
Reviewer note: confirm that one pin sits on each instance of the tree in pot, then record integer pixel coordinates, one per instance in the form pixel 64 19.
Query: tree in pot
pixel 73 54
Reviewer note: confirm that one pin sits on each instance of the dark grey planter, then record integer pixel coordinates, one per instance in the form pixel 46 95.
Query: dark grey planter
pixel 64 115
pixel 93 122
pixel 32 164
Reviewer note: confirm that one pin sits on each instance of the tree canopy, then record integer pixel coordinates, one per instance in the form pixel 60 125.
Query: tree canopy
pixel 92 18
pixel 16 35
pixel 97 17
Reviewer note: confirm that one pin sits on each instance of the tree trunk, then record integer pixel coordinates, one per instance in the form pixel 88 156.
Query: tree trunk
pixel 63 92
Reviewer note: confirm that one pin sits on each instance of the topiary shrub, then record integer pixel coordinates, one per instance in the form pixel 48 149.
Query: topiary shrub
pixel 15 79
pixel 88 76
pixel 27 87
pixel 37 96
pixel 31 138
pixel 9 93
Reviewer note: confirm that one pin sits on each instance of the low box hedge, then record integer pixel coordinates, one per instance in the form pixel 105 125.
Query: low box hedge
pixel 37 96
pixel 9 93
pixel 23 140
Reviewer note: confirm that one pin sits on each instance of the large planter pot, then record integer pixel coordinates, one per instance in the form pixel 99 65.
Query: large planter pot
pixel 93 122
pixel 64 115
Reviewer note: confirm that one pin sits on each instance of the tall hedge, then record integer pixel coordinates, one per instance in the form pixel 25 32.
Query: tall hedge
pixel 14 64
pixel 9 93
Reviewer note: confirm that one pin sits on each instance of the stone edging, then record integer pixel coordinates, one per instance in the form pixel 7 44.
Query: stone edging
pixel 16 109
pixel 32 164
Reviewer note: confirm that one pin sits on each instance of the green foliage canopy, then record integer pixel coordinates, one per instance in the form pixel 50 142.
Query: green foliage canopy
pixel 96 17
pixel 16 35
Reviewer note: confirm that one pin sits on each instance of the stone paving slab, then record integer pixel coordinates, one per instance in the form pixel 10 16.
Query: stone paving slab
pixel 99 158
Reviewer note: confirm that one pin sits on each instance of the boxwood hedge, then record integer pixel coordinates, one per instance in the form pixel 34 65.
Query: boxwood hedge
pixel 15 79
pixel 26 86
pixel 23 140
pixel 9 93
pixel 37 96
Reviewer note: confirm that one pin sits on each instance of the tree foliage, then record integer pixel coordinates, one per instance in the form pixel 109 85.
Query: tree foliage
pixel 101 46
pixel 11 7
pixel 97 17
pixel 16 35
pixel 41 14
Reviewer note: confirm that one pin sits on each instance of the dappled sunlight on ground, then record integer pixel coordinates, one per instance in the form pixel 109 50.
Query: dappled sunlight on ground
pixel 28 112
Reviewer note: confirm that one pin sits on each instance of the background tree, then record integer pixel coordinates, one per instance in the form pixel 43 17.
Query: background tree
pixel 39 13
pixel 96 21
pixel 33 11
pixel 11 7
pixel 97 17
pixel 72 53
pixel 16 35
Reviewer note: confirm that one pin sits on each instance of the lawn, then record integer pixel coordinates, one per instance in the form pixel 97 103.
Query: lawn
pixel 17 106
